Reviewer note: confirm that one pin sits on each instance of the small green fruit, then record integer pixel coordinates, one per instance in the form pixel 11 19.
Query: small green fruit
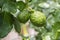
pixel 24 16
pixel 38 18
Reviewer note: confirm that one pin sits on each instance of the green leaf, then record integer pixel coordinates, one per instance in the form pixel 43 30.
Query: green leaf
pixel 42 0
pixel 2 2
pixel 50 22
pixel 57 1
pixel 41 31
pixel 29 0
pixel 38 37
pixel 56 15
pixel 21 5
pixel 44 5
pixel 56 26
pixel 47 36
pixel 58 36
pixel 12 0
pixel 9 7
pixel 5 24
pixel 17 25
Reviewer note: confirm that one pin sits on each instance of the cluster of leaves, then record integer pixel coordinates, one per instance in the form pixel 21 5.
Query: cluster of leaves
pixel 9 10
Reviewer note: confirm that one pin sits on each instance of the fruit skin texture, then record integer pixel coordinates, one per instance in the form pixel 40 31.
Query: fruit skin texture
pixel 37 18
pixel 24 16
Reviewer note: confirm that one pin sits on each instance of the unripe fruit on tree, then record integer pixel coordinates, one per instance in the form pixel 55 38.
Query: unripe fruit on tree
pixel 37 18
pixel 24 16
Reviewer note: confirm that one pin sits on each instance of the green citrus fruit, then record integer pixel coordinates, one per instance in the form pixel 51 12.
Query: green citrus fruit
pixel 38 18
pixel 24 16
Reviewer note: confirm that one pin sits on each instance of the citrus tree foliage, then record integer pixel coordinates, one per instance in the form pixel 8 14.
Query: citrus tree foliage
pixel 44 17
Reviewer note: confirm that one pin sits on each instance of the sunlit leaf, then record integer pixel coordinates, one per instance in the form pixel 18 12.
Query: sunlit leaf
pixel 58 35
